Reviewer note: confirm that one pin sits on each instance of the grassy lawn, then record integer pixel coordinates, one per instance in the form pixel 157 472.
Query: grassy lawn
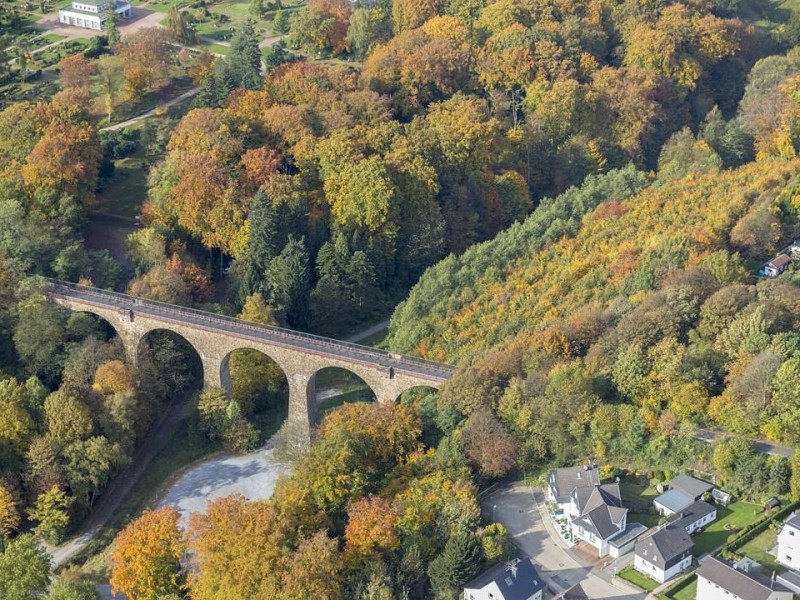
pixel 157 6
pixel 125 192
pixel 639 496
pixel 215 48
pixel 729 521
pixel 768 14
pixel 211 30
pixel 758 550
pixel 687 592
pixel 48 38
pixel 633 576
pixel 351 389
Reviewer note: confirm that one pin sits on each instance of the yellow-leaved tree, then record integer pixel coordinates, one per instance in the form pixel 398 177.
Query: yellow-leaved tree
pixel 146 557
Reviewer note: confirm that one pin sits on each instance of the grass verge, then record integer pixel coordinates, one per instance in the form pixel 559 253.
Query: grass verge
pixel 633 576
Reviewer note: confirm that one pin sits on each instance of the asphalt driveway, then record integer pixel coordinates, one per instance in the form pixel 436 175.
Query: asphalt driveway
pixel 521 510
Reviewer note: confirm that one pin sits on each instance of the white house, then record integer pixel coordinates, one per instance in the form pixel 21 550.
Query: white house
pixel 514 580
pixel 789 542
pixel 91 13
pixel 719 580
pixel 664 553
pixel 600 515
pixel 563 482
pixel 693 517
pixel 776 266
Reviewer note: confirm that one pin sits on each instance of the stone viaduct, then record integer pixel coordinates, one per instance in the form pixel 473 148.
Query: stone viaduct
pixel 214 337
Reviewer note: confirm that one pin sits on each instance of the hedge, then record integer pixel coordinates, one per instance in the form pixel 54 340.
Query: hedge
pixel 685 581
pixel 754 529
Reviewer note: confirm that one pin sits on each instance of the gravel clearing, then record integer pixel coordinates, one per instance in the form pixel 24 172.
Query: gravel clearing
pixel 252 475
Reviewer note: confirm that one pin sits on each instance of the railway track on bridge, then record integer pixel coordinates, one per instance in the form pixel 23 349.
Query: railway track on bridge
pixel 287 338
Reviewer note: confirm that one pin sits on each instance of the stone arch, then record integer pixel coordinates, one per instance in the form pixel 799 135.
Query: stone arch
pixel 186 340
pixel 271 364
pixel 416 389
pixel 116 320
pixel 103 318
pixel 352 385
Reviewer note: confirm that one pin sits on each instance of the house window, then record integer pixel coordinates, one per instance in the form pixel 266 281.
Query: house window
pixel 791 532
pixel 789 558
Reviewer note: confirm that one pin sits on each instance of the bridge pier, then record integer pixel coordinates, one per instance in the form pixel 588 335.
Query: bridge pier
pixel 216 373
pixel 302 412
pixel 214 337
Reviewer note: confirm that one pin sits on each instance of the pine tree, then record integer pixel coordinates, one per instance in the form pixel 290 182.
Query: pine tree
pixel 280 23
pixel 332 261
pixel 289 283
pixel 460 562
pixel 111 19
pixel 265 239
pixel 244 60
pixel 360 278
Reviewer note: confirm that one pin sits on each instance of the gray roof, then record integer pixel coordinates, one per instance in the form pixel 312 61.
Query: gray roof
pixel 564 480
pixel 750 586
pixel 631 532
pixel 674 500
pixel 793 521
pixel 790 579
pixel 664 545
pixel 516 580
pixel 693 513
pixel 602 512
pixel 694 488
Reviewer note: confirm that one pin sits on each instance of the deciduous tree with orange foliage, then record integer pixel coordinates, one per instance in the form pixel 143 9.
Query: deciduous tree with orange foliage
pixel 371 528
pixel 145 58
pixel 65 158
pixel 145 561
pixel 76 71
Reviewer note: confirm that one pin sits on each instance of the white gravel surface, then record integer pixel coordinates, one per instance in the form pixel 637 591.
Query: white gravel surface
pixel 252 475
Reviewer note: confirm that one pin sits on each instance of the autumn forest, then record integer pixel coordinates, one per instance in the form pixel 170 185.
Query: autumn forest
pixel 569 200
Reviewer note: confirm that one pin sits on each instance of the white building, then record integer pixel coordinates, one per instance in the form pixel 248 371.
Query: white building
pixel 601 516
pixel 514 580
pixel 91 13
pixel 695 516
pixel 719 580
pixel 664 553
pixel 776 266
pixel 789 542
pixel 562 484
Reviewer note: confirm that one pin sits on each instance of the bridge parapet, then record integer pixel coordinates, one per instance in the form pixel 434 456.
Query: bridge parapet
pixel 214 337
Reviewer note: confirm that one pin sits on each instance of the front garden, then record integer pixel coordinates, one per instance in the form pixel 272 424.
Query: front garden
pixel 633 576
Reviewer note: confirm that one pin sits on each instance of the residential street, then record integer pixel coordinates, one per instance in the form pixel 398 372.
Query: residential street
pixel 516 508
pixel 763 446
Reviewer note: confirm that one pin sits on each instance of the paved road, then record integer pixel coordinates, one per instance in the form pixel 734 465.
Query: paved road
pixel 285 338
pixel 118 491
pixel 763 446
pixel 517 509
pixel 150 113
